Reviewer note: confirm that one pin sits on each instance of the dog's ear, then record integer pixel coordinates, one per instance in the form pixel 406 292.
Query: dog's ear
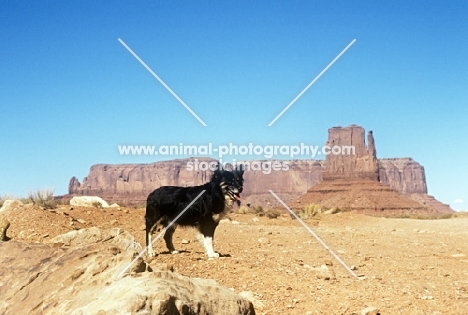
pixel 239 169
pixel 218 172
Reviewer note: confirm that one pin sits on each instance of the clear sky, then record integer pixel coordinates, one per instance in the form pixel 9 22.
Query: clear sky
pixel 70 92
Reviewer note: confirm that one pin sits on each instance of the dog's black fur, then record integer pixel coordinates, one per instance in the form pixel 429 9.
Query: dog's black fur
pixel 167 202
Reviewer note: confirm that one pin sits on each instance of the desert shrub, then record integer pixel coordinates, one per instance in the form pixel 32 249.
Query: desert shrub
pixel 243 210
pixel 423 216
pixel 42 198
pixel 309 211
pixel 258 210
pixel 272 213
pixel 97 205
pixel 460 214
pixel 141 205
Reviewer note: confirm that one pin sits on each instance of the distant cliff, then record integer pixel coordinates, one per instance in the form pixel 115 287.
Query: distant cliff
pixel 403 174
pixel 131 183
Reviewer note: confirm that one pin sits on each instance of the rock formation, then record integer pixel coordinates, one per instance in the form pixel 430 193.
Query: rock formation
pixel 89 201
pixel 131 183
pixel 362 163
pixel 404 175
pixel 362 183
pixel 82 279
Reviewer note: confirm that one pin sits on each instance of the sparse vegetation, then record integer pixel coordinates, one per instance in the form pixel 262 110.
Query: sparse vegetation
pixel 272 213
pixel 42 198
pixel 259 211
pixel 243 210
pixel 313 210
pixel 97 205
pixel 141 205
pixel 429 216
pixel 309 211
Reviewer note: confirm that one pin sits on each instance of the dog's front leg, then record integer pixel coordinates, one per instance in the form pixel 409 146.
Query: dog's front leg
pixel 207 228
pixel 207 242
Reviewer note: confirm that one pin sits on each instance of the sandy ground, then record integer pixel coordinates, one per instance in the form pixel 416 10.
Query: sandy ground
pixel 405 266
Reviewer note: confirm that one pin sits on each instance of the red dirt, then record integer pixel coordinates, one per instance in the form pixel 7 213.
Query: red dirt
pixel 407 266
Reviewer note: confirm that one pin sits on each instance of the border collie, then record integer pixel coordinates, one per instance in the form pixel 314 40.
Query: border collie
pixel 167 202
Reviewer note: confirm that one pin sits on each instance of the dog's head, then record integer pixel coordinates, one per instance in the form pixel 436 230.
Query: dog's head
pixel 231 183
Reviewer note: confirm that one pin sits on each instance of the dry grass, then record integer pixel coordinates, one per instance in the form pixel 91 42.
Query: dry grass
pixel 259 211
pixel 42 198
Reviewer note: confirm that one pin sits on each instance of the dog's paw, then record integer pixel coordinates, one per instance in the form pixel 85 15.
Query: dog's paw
pixel 174 252
pixel 151 253
pixel 214 255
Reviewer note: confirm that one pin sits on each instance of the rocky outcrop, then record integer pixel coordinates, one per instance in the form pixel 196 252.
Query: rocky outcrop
pixel 133 182
pixel 404 175
pixel 4 225
pixel 364 184
pixel 350 157
pixel 83 279
pixel 363 196
pixel 89 201
pixel 10 205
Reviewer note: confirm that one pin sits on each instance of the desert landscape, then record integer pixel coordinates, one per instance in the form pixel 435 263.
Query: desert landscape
pixel 407 251
pixel 317 147
pixel 404 266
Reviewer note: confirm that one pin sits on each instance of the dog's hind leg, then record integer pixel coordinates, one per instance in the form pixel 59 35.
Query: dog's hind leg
pixel 151 224
pixel 168 238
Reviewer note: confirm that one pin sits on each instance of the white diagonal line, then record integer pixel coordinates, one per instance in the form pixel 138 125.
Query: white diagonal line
pixel 314 235
pixel 162 82
pixel 310 84
pixel 159 235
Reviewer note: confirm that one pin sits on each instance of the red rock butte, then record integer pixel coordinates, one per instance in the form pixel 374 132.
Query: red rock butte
pixel 365 184
pixel 358 181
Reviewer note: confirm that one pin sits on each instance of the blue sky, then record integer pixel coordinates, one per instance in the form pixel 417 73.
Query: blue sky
pixel 70 93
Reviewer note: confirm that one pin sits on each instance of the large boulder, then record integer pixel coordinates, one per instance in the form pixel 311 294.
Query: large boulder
pixel 10 204
pixel 7 207
pixel 89 201
pixel 55 279
pixel 4 225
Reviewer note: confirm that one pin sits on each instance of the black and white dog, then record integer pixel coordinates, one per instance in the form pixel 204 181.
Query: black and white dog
pixel 167 202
